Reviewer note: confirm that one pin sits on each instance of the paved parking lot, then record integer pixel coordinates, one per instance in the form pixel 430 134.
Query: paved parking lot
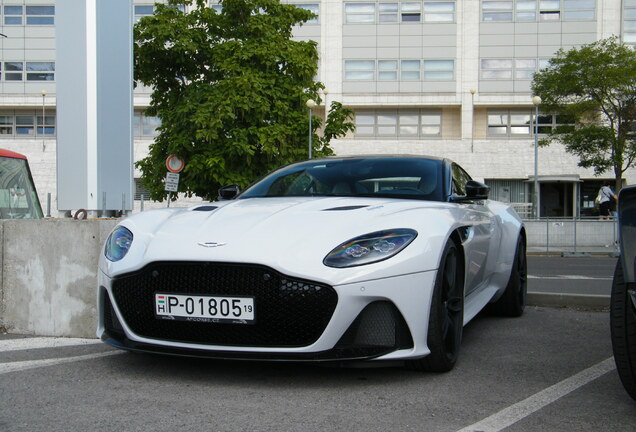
pixel 548 370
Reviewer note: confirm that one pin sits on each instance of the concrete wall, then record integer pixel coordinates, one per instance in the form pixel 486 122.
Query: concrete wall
pixel 48 269
pixel 49 275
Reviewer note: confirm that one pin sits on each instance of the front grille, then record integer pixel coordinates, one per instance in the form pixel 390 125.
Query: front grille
pixel 289 312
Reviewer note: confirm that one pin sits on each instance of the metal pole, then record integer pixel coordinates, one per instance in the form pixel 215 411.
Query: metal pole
pixel 574 235
pixel 547 235
pixel 48 204
pixel 141 208
pixel 536 100
pixel 536 161
pixel 310 136
pixel 43 120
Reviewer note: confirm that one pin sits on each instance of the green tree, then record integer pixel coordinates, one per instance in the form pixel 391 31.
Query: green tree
pixel 230 89
pixel 596 86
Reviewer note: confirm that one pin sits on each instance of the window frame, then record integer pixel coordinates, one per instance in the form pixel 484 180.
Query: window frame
pixel 400 120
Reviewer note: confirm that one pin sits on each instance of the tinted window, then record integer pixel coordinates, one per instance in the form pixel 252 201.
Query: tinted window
pixel 460 178
pixel 410 178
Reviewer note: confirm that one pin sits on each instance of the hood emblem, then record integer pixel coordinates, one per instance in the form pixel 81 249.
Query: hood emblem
pixel 211 244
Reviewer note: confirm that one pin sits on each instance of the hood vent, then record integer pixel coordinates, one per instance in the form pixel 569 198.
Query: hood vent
pixel 205 208
pixel 356 207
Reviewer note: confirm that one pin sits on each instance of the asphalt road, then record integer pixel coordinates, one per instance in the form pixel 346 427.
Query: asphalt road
pixel 549 370
pixel 588 275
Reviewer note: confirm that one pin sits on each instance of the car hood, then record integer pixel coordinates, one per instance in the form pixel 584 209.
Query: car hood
pixel 292 235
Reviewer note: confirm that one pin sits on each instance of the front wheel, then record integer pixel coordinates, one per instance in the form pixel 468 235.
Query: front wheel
pixel 623 330
pixel 446 318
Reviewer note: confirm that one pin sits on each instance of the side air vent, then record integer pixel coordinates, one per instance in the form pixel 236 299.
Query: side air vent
pixel 205 208
pixel 346 208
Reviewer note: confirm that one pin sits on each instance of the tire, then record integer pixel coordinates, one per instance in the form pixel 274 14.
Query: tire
pixel 446 318
pixel 513 301
pixel 623 330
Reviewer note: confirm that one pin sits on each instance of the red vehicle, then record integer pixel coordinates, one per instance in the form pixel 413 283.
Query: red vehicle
pixel 18 197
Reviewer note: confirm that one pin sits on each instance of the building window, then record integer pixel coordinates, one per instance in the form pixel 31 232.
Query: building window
pixel 26 124
pixel 145 126
pixel 388 12
pixel 387 70
pixel 439 70
pixel 140 191
pixel 142 11
pixel 440 11
pixel 46 127
pixel 496 69
pixel 40 71
pixel 541 10
pixel 356 13
pixel 13 15
pixel 549 10
pixel 399 123
pixel 311 7
pixel 35 71
pixel 548 123
pixel 410 70
pixel 579 10
pixel 526 10
pixel 502 69
pixel 525 68
pixel 434 11
pixel 40 15
pixel 35 15
pixel 509 123
pixel 356 70
pixel 13 71
pixel 496 10
pixel 410 11
pixel 629 22
pixel 520 123
pixel 6 125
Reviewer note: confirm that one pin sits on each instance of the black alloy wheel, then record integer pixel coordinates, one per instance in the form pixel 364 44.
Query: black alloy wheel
pixel 446 319
pixel 623 330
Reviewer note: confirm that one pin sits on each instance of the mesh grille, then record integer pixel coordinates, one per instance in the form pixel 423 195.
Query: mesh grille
pixel 289 312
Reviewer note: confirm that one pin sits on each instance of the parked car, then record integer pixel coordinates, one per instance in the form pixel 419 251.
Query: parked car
pixel 18 197
pixel 347 258
pixel 623 300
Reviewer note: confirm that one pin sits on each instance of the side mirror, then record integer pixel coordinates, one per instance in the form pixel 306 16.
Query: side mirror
pixel 228 192
pixel 476 190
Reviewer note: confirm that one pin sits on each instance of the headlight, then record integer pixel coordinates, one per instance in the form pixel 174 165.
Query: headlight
pixel 118 243
pixel 370 248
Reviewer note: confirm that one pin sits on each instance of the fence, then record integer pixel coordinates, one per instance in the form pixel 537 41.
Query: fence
pixel 552 235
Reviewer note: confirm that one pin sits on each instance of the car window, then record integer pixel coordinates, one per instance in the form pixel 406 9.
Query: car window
pixel 460 178
pixel 412 178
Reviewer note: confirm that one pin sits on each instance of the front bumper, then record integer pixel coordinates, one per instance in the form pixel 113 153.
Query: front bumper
pixel 381 319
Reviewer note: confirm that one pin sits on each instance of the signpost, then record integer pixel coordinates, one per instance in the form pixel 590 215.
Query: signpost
pixel 174 165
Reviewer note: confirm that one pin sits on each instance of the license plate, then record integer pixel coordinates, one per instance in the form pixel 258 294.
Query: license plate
pixel 238 310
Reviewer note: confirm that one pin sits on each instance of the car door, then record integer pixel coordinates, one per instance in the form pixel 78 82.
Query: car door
pixel 481 235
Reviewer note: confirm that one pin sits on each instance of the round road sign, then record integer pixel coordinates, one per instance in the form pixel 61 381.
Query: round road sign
pixel 174 164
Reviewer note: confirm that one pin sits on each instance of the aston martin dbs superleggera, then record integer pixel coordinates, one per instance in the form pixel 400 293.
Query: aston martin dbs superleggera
pixel 346 258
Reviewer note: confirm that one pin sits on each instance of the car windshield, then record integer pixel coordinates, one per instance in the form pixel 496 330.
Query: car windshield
pixel 409 178
pixel 18 199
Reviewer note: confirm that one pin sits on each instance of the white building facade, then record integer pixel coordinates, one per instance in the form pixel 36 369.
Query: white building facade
pixel 434 77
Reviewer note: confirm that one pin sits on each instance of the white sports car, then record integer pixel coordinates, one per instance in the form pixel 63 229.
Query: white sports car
pixel 347 258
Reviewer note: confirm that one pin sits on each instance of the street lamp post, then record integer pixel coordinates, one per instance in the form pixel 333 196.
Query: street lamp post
pixel 43 92
pixel 472 107
pixel 310 104
pixel 536 100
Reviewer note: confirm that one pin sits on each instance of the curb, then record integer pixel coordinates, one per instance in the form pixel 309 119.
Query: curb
pixel 585 301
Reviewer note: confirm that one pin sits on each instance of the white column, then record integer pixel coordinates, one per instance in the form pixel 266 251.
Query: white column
pixel 94 104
